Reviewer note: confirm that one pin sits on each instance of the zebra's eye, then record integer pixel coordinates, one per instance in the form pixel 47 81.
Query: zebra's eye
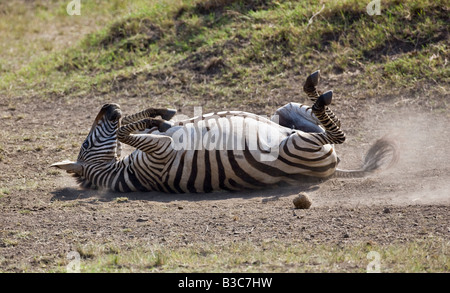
pixel 85 145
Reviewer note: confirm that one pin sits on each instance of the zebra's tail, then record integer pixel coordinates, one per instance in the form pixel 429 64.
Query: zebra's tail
pixel 383 153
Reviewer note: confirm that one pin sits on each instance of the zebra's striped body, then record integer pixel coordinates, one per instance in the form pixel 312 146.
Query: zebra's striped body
pixel 234 162
pixel 228 150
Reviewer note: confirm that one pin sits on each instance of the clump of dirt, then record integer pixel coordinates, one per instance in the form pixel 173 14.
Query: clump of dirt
pixel 302 201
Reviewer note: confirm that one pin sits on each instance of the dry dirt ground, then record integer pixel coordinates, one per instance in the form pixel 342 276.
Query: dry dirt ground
pixel 44 215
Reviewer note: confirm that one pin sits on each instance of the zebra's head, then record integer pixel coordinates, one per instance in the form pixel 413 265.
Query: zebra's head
pixel 101 144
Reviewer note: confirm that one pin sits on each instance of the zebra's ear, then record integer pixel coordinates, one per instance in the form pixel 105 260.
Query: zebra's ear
pixel 70 167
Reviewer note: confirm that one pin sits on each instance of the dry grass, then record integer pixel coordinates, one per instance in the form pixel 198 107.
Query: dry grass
pixel 430 255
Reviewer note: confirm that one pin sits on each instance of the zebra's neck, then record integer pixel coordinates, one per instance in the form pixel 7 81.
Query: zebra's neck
pixel 114 175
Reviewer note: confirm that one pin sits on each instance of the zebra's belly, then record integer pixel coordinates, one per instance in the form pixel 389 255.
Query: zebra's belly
pixel 239 151
pixel 206 171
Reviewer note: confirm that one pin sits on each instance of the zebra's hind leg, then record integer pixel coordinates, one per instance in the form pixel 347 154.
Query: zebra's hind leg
pixel 333 133
pixel 310 88
pixel 297 116
pixel 166 114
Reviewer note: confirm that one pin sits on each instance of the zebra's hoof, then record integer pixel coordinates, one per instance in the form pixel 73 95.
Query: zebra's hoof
pixel 169 114
pixel 311 82
pixel 325 98
pixel 164 126
pixel 314 78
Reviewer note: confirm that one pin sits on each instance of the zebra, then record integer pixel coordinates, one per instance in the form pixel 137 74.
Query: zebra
pixel 227 150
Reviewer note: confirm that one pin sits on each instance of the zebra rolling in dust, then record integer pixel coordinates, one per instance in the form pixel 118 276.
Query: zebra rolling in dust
pixel 229 150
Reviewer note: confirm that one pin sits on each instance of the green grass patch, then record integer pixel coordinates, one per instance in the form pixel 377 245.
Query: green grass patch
pixel 235 48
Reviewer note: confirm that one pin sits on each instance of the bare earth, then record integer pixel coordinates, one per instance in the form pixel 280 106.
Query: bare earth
pixel 44 215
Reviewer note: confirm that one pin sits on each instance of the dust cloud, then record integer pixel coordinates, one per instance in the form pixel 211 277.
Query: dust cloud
pixel 422 173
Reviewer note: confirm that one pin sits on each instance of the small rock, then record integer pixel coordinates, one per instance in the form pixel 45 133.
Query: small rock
pixel 142 220
pixel 302 201
pixel 386 211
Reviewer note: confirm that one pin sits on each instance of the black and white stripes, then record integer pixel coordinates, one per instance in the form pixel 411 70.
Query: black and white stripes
pixel 223 150
pixel 228 150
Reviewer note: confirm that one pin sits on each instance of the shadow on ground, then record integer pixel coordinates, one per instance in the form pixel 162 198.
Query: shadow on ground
pixel 74 193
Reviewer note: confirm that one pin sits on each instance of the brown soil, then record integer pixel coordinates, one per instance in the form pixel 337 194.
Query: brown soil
pixel 44 215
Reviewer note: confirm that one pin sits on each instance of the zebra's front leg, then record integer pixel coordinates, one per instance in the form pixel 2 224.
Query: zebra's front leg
pixel 145 142
pixel 166 114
